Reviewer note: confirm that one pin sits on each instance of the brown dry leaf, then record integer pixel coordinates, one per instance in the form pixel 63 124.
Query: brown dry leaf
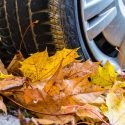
pixel 91 98
pixel 61 120
pixel 2 105
pixel 43 121
pixel 55 84
pixel 2 68
pixel 57 92
pixel 40 102
pixel 11 82
pixel 80 85
pixel 14 66
pixel 84 111
pixel 77 69
pixel 31 95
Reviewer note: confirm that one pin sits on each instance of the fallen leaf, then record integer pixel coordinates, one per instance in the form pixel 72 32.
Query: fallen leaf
pixel 61 120
pixel 4 76
pixel 14 65
pixel 115 110
pixel 39 66
pixel 84 111
pixel 31 95
pixel 77 69
pixel 2 68
pixel 11 82
pixel 80 85
pixel 2 105
pixel 55 83
pixel 90 98
pixel 106 75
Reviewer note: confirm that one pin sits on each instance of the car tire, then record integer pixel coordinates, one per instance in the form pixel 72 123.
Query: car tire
pixel 33 25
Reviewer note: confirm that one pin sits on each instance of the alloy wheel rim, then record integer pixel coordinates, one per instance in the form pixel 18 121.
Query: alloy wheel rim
pixel 104 17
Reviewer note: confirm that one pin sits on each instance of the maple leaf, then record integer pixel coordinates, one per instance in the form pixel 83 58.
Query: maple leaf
pixel 105 75
pixel 40 66
pixel 115 110
pixel 59 81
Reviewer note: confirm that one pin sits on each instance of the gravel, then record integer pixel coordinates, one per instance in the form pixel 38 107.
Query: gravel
pixel 9 120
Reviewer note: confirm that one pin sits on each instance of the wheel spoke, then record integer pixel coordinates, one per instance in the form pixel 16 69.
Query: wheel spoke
pixel 98 24
pixel 94 7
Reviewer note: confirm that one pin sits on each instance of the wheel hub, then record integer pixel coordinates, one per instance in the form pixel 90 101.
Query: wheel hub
pixel 115 32
pixel 105 17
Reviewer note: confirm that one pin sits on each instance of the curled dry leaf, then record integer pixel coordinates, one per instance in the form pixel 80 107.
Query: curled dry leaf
pixel 11 82
pixel 14 65
pixel 80 86
pixel 2 105
pixel 84 111
pixel 2 68
pixel 91 98
pixel 77 69
pixel 61 120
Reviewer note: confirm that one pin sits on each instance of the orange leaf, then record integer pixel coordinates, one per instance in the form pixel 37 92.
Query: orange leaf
pixel 31 96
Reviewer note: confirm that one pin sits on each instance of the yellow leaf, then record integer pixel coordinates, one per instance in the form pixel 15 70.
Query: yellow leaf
pixel 51 89
pixel 48 85
pixel 115 110
pixel 54 91
pixel 55 84
pixel 3 76
pixel 40 66
pixel 105 75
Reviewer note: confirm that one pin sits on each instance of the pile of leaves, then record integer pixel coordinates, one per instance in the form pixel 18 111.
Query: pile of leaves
pixel 60 89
